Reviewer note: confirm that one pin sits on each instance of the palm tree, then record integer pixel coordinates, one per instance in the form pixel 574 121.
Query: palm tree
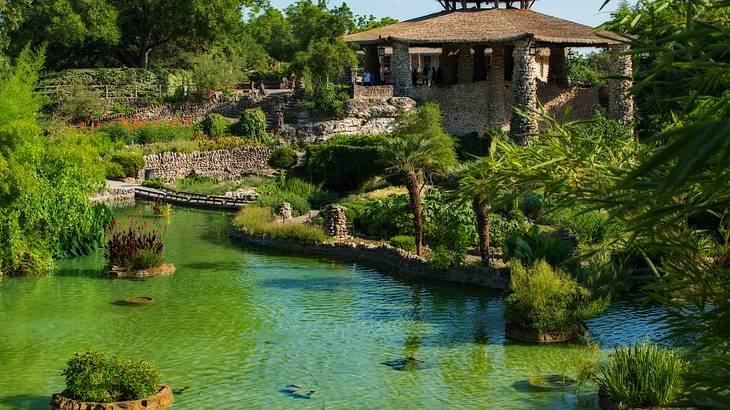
pixel 419 148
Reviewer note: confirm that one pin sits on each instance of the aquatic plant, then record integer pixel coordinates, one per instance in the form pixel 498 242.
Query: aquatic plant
pixel 135 247
pixel 94 376
pixel 642 375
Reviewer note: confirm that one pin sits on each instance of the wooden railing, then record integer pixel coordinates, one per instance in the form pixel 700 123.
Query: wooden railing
pixel 190 199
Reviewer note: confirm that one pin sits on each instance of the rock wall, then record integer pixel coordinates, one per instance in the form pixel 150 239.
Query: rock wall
pixel 188 112
pixel 221 165
pixel 364 116
pixel 388 258
pixel 376 91
pixel 483 105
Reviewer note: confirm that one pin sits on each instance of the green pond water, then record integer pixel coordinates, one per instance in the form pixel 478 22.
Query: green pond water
pixel 235 325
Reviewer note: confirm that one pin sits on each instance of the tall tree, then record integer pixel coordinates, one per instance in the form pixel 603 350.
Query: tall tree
pixel 419 149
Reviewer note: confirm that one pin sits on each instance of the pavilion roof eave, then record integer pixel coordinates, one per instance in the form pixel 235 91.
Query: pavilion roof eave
pixel 566 42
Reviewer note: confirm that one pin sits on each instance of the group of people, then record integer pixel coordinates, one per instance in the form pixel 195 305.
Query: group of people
pixel 424 76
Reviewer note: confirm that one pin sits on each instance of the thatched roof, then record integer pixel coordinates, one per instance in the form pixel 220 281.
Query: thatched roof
pixel 485 26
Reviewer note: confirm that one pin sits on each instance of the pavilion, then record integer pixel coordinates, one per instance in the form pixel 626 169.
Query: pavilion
pixel 497 57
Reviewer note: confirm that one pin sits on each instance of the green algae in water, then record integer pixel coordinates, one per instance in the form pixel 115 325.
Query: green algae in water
pixel 235 325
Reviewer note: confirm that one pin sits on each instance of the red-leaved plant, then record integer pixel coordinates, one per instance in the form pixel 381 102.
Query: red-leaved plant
pixel 136 247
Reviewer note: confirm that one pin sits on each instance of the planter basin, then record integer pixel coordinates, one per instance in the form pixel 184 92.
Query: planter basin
pixel 517 332
pixel 161 400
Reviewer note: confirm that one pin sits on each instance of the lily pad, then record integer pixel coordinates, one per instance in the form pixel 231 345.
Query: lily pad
pixel 551 382
pixel 298 391
pixel 407 364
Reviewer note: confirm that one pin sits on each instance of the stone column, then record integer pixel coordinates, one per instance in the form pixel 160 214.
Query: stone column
pixel 335 221
pixel 465 69
pixel 620 102
pixel 497 73
pixel 497 109
pixel 401 66
pixel 524 95
pixel 558 67
pixel 480 64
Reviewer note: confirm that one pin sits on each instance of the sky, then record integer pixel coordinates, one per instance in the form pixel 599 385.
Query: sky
pixel 581 11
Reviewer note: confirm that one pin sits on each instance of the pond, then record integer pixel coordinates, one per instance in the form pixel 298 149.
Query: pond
pixel 234 326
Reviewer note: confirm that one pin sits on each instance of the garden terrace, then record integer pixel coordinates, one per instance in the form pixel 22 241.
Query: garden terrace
pixel 479 64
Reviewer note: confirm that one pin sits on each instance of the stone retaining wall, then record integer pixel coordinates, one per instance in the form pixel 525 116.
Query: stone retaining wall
pixel 386 257
pixel 188 112
pixel 221 164
pixel 376 91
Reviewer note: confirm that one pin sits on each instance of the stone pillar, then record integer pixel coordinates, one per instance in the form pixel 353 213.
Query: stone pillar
pixel 558 66
pixel 497 73
pixel 496 99
pixel 282 213
pixel 372 60
pixel 335 221
pixel 465 69
pixel 620 102
pixel 401 66
pixel 524 95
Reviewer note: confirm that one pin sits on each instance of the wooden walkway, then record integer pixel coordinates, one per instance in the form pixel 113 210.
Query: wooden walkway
pixel 189 199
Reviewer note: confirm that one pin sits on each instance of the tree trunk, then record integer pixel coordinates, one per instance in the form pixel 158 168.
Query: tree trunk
pixel 483 222
pixel 417 209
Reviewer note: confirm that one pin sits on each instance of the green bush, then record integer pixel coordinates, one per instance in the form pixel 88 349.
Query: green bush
pixel 258 221
pixel 327 100
pixel 283 158
pixel 345 162
pixel 531 204
pixel 444 258
pixel 533 245
pixel 589 227
pixel 252 124
pixel 385 218
pixel 77 103
pixel 155 182
pixel 161 132
pixel 146 259
pixel 501 228
pixel 642 376
pixel 215 125
pixel 544 299
pixel 131 162
pixel 113 170
pixel 93 376
pixel 405 242
pixel 118 133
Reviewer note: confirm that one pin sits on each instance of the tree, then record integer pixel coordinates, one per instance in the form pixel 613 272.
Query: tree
pixel 370 22
pixel 324 61
pixel 314 21
pixel 90 32
pixel 274 33
pixel 420 149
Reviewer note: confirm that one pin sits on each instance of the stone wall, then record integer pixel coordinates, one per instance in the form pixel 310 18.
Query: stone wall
pixel 188 112
pixel 388 258
pixel 364 116
pixel 483 105
pixel 221 165
pixel 376 91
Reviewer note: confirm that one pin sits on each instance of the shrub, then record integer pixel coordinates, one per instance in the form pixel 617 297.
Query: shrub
pixel 130 162
pixel 252 124
pixel 473 144
pixel 500 229
pixel 76 103
pixel 283 158
pixel 214 125
pixel 321 198
pixel 641 376
pixel 405 242
pixel 146 259
pixel 346 162
pixel 93 376
pixel 124 246
pixel 444 258
pixel 385 217
pixel 534 245
pixel 589 227
pixel 258 220
pixel 327 100
pixel 155 182
pixel 544 299
pixel 114 170
pixel 531 204
pixel 161 132
pixel 118 133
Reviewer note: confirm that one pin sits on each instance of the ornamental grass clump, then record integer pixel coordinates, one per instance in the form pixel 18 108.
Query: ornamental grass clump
pixel 643 375
pixel 96 377
pixel 258 220
pixel 134 248
pixel 544 299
